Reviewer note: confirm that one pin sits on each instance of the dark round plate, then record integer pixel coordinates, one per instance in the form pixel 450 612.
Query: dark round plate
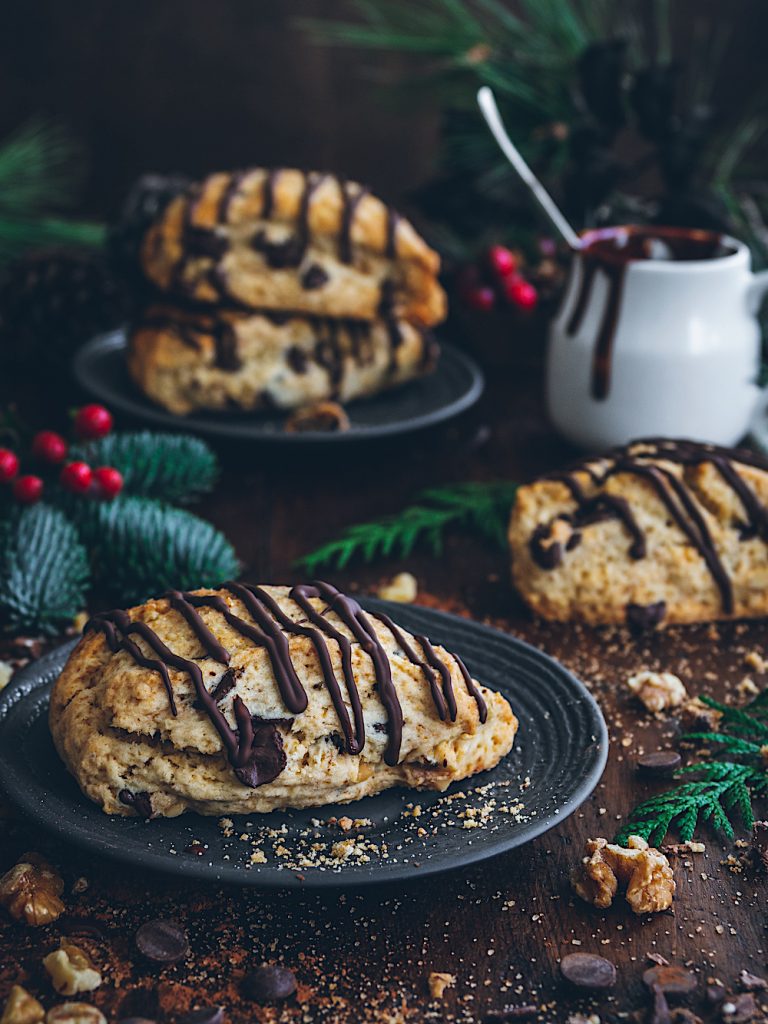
pixel 456 384
pixel 556 762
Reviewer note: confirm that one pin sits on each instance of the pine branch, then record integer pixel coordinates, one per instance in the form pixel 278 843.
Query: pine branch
pixel 43 570
pixel 723 789
pixel 482 506
pixel 140 547
pixel 169 467
pixel 41 171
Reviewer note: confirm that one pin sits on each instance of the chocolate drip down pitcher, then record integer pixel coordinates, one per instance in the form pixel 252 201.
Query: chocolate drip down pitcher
pixel 657 335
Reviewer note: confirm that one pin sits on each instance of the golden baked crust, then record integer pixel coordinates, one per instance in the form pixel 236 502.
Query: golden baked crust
pixel 658 531
pixel 289 240
pixel 239 740
pixel 187 360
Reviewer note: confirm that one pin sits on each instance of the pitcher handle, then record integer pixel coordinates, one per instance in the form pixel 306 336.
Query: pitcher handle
pixel 756 290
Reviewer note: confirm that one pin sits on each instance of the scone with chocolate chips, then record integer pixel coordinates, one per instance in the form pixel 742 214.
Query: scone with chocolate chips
pixel 187 360
pixel 293 241
pixel 247 699
pixel 658 531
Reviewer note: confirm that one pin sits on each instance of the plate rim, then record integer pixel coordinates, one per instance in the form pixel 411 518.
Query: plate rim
pixel 22 686
pixel 116 339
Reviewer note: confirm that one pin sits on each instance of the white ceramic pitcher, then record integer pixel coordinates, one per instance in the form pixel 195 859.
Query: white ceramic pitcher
pixel 645 346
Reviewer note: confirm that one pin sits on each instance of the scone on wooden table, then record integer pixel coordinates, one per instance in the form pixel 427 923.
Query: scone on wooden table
pixel 247 699
pixel 290 240
pixel 658 531
pixel 186 359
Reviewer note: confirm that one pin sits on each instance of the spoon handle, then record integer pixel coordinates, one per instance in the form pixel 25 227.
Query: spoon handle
pixel 487 103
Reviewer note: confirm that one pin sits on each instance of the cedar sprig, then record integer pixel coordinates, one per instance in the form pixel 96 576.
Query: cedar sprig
pixel 720 792
pixel 481 506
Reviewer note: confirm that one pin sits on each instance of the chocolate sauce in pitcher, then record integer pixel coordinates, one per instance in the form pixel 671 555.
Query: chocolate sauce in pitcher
pixel 609 251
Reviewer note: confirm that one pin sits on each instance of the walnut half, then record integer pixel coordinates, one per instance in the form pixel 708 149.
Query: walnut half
pixel 75 1013
pixel 21 1008
pixel 658 690
pixel 71 971
pixel 30 891
pixel 643 871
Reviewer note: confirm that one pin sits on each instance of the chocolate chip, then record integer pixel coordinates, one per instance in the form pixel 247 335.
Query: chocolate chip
pixel 279 255
pixel 140 802
pixel 266 759
pixel 659 764
pixel 739 1009
pixel 296 359
pixel 641 617
pixel 313 277
pixel 671 979
pixel 205 1015
pixel 202 242
pixel 586 970
pixel 162 941
pixel 269 983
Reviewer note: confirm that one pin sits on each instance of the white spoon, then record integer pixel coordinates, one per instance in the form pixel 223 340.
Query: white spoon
pixel 487 103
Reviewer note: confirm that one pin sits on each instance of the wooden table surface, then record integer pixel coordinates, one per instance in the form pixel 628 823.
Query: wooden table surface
pixel 500 928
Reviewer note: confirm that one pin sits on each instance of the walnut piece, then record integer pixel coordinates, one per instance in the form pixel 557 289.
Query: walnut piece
pixel 403 589
pixel 696 716
pixel 21 1008
pixel 71 971
pixel 438 982
pixel 75 1013
pixel 324 417
pixel 658 690
pixel 643 871
pixel 30 891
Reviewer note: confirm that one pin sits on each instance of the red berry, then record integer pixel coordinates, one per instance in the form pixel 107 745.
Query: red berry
pixel 521 294
pixel 28 489
pixel 482 298
pixel 501 261
pixel 49 446
pixel 9 465
pixel 93 421
pixel 109 481
pixel 76 477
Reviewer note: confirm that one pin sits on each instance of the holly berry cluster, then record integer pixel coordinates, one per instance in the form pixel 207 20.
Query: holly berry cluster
pixel 496 277
pixel 50 450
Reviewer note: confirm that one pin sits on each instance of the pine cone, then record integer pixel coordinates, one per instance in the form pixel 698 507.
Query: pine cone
pixel 51 302
pixel 146 200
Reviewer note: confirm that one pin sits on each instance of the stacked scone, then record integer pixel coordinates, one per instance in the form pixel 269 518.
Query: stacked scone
pixel 280 288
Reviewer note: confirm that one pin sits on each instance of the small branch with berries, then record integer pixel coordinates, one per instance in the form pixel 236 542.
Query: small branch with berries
pixel 98 511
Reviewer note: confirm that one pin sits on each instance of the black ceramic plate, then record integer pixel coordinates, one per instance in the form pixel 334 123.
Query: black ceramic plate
pixel 456 384
pixel 557 760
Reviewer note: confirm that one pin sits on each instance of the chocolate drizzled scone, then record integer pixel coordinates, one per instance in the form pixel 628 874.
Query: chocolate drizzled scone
pixel 293 241
pixel 247 699
pixel 658 531
pixel 186 360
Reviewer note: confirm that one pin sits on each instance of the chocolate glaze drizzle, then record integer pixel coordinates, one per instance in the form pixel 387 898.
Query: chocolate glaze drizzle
pixel 254 747
pixel 612 250
pixel 641 459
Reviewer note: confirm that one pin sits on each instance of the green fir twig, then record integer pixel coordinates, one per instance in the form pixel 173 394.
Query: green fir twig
pixel 721 792
pixel 482 506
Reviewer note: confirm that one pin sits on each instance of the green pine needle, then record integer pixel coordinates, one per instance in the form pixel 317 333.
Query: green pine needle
pixel 482 506
pixel 41 171
pixel 722 791
pixel 169 467
pixel 43 570
pixel 140 547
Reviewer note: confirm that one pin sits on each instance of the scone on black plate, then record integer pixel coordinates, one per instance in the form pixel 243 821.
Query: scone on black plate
pixel 185 359
pixel 247 699
pixel 296 241
pixel 658 531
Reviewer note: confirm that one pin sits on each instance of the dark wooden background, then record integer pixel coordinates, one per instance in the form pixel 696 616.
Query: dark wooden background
pixel 195 85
